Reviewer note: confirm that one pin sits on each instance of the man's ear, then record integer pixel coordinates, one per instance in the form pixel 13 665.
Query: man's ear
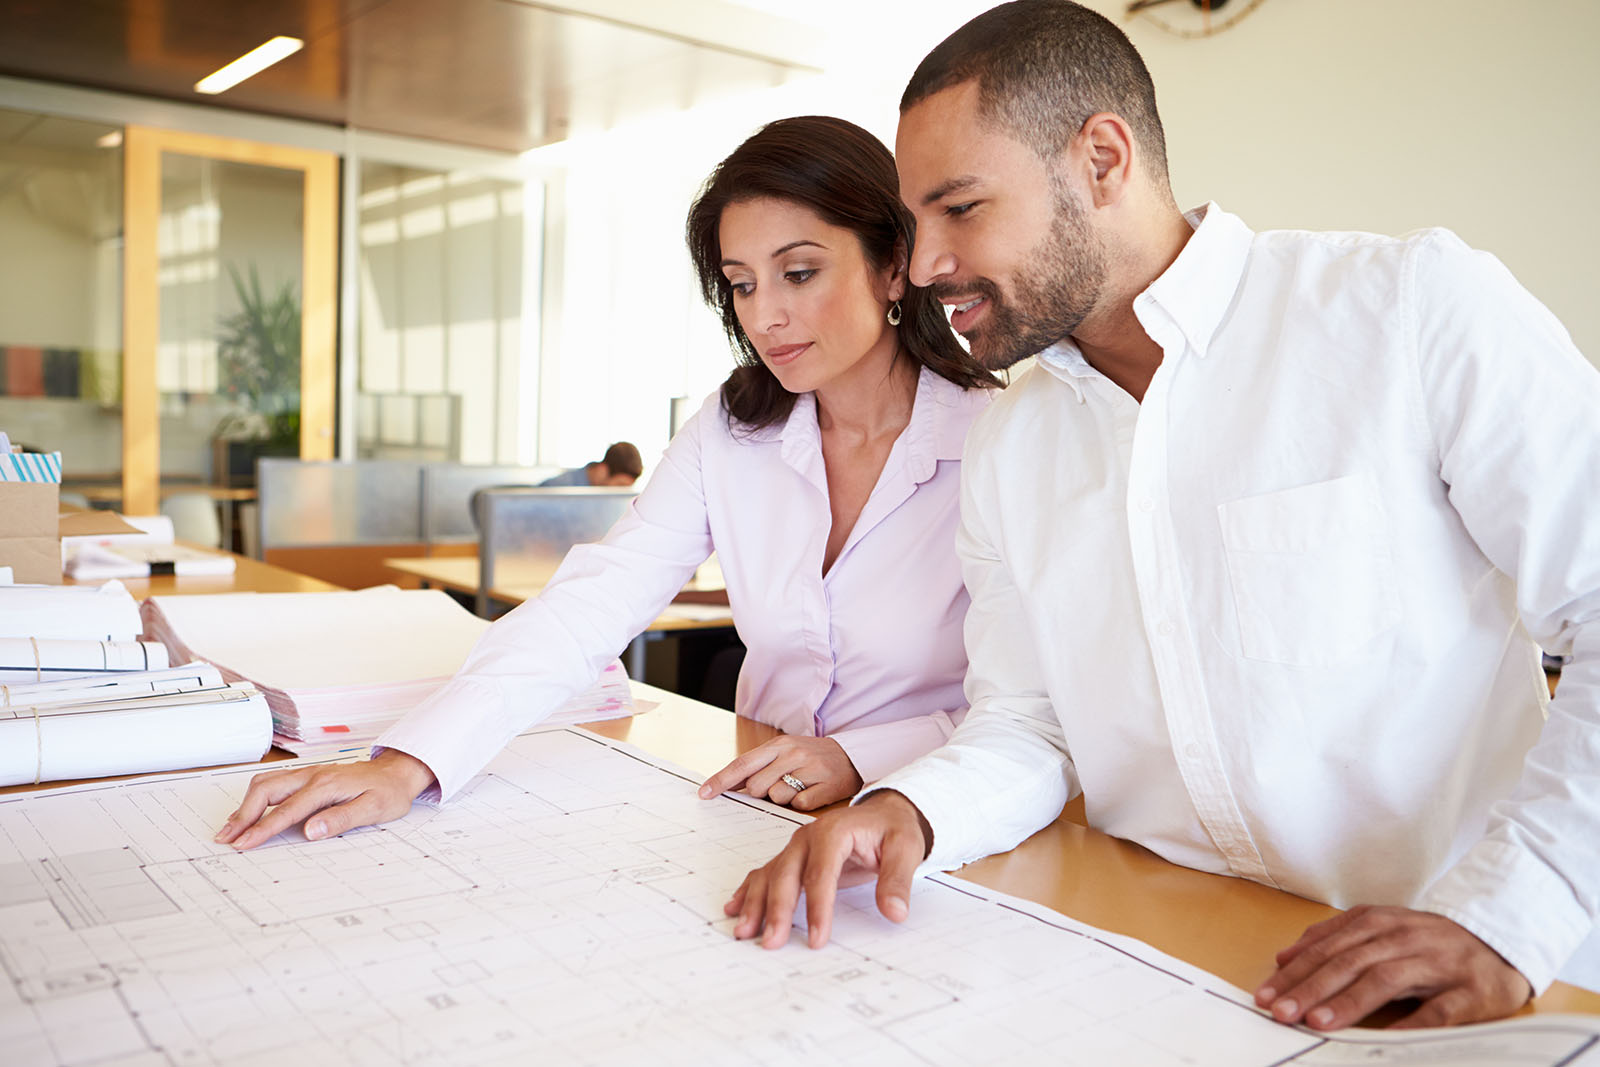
pixel 1103 153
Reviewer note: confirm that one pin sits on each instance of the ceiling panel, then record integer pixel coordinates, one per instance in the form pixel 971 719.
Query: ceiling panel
pixel 502 74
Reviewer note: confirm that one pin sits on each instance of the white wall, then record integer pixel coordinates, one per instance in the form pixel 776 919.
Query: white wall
pixel 1390 115
pixel 1382 115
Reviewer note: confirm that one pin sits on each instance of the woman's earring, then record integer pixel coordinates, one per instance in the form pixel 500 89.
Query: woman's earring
pixel 894 314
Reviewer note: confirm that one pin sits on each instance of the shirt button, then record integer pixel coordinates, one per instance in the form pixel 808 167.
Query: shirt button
pixel 1165 629
pixel 1147 505
pixel 1191 750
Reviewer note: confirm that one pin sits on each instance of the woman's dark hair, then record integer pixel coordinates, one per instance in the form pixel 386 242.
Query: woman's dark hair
pixel 845 175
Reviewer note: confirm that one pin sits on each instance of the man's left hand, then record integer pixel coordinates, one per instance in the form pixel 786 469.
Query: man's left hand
pixel 1346 967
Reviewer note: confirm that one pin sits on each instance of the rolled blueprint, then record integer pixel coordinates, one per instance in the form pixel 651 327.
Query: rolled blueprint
pixel 168 732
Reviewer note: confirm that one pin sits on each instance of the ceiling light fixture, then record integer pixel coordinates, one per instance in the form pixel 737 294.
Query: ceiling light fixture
pixel 248 65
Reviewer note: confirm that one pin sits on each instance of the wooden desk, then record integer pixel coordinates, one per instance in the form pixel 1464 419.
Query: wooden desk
pixel 111 492
pixel 1228 926
pixel 249 576
pixel 519 582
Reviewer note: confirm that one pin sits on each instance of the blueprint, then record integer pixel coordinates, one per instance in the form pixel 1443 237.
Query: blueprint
pixel 567 909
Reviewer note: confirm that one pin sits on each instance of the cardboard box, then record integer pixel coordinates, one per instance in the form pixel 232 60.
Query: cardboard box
pixel 86 522
pixel 30 531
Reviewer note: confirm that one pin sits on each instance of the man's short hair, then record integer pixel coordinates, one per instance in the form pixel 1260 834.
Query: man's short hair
pixel 623 458
pixel 1042 68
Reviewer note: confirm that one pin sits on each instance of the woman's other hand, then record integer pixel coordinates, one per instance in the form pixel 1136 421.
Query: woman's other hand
pixel 354 794
pixel 770 770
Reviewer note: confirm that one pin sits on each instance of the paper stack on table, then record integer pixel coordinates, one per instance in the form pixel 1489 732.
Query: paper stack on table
pixel 338 668
pixel 94 562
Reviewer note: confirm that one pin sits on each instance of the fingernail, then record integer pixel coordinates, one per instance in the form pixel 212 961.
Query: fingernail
pixel 315 830
pixel 1266 995
pixel 220 833
pixel 1285 1009
pixel 1320 1017
pixel 705 793
pixel 899 904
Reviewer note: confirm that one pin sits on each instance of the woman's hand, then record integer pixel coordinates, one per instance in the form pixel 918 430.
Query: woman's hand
pixel 355 794
pixel 818 763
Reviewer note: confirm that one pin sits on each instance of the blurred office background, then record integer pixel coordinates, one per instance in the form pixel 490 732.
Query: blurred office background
pixel 452 229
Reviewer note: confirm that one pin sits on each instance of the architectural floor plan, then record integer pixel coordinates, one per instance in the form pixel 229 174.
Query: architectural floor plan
pixel 567 909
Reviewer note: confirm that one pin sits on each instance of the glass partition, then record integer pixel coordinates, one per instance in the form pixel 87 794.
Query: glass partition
pixel 441 315
pixel 60 292
pixel 228 347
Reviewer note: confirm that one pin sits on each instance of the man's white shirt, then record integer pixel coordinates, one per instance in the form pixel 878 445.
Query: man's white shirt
pixel 1282 619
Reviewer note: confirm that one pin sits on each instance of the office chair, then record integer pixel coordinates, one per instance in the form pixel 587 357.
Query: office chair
pixel 194 518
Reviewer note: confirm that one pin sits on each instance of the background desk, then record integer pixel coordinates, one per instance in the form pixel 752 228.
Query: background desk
pixel 518 583
pixel 227 499
pixel 249 576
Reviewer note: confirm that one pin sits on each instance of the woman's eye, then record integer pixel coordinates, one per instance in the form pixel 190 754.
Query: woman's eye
pixel 799 277
pixel 742 288
pixel 960 209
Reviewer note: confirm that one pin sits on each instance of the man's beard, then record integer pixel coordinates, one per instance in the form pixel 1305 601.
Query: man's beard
pixel 1061 283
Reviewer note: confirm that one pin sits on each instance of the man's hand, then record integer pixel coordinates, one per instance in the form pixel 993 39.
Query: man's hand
pixel 884 835
pixel 355 794
pixel 1346 967
pixel 819 763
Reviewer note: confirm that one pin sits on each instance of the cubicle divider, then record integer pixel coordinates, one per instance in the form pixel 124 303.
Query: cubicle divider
pixel 524 533
pixel 339 519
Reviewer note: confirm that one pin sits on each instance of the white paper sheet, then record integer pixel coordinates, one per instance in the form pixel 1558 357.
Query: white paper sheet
pixel 94 562
pixel 324 641
pixel 568 909
pixel 114 685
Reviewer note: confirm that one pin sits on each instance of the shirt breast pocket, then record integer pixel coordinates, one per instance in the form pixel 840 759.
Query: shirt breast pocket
pixel 1311 572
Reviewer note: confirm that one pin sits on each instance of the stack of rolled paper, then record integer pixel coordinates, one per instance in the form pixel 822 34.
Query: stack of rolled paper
pixel 128 722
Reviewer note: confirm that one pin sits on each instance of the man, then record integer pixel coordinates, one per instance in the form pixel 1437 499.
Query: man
pixel 1259 553
pixel 619 467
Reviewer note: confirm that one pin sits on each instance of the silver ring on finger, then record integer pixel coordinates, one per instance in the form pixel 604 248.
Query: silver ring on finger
pixel 794 783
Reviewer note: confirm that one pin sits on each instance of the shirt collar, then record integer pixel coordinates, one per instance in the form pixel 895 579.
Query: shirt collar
pixel 935 432
pixel 1195 292
pixel 1063 360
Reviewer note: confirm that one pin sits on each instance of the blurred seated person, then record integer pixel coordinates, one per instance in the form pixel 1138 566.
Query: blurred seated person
pixel 619 468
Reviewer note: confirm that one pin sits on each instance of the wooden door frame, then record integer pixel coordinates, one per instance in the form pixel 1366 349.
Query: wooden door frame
pixel 141 294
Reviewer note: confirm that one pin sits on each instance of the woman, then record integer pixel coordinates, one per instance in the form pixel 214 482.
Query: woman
pixel 824 473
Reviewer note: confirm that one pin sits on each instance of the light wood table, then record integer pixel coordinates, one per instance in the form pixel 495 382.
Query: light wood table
pixel 518 582
pixel 249 576
pixel 1229 926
